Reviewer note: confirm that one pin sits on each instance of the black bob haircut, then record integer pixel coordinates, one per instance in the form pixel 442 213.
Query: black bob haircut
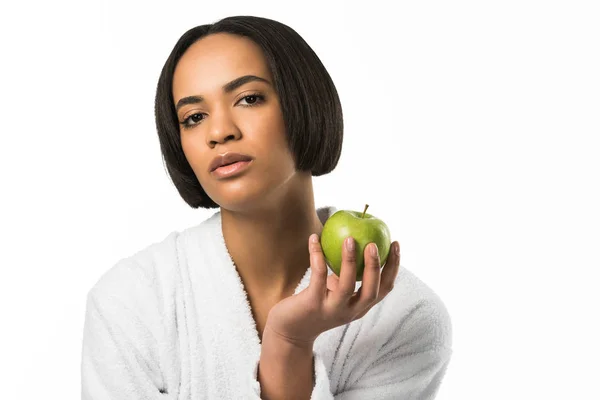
pixel 309 101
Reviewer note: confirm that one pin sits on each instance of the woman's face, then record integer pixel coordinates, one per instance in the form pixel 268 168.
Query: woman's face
pixel 245 120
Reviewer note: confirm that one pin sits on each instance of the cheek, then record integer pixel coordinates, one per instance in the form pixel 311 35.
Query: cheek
pixel 193 156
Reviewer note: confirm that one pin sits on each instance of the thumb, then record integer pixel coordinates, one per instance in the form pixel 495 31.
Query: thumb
pixel 318 277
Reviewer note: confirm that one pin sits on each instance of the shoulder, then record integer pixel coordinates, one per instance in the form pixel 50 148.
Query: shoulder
pixel 152 266
pixel 417 317
pixel 137 273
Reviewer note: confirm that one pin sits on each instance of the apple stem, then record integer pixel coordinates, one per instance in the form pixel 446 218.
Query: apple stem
pixel 364 212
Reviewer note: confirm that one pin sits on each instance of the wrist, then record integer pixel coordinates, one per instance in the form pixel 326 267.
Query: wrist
pixel 284 344
pixel 285 368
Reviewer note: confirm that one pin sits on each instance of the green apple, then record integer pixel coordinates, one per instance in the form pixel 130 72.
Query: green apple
pixel 364 228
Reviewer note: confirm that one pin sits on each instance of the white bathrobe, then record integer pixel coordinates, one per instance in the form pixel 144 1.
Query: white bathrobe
pixel 173 321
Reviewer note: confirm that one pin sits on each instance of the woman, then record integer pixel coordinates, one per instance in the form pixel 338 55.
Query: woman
pixel 243 305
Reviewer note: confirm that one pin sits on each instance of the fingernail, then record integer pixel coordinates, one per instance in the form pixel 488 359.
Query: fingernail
pixel 374 250
pixel 397 248
pixel 314 238
pixel 350 244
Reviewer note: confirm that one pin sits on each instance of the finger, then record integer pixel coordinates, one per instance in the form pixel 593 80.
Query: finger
pixel 390 270
pixel 347 282
pixel 368 292
pixel 318 276
pixel 392 266
pixel 333 282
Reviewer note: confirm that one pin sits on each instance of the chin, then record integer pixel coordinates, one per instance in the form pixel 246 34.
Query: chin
pixel 237 198
pixel 246 193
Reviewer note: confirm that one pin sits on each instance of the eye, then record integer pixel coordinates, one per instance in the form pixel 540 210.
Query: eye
pixel 256 98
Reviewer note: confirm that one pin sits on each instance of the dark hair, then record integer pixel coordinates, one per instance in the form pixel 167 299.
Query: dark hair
pixel 309 101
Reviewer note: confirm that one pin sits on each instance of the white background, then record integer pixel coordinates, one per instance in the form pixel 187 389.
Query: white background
pixel 471 128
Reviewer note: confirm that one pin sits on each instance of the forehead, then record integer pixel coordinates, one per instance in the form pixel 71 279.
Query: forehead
pixel 215 60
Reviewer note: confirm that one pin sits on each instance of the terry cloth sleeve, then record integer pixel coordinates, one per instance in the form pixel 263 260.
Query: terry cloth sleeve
pixel 413 362
pixel 120 355
pixel 410 365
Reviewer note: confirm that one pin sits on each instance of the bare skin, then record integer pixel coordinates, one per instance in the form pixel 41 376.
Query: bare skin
pixel 268 212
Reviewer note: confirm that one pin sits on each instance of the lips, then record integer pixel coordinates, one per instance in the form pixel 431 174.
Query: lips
pixel 226 159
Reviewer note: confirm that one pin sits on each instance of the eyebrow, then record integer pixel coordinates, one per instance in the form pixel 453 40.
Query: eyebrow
pixel 227 88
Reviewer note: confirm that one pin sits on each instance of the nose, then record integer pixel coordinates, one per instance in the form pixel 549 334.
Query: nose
pixel 221 129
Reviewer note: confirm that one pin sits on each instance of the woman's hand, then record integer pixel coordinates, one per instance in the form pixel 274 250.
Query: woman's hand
pixel 329 302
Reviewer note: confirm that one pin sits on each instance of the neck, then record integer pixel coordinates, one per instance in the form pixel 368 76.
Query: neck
pixel 269 246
